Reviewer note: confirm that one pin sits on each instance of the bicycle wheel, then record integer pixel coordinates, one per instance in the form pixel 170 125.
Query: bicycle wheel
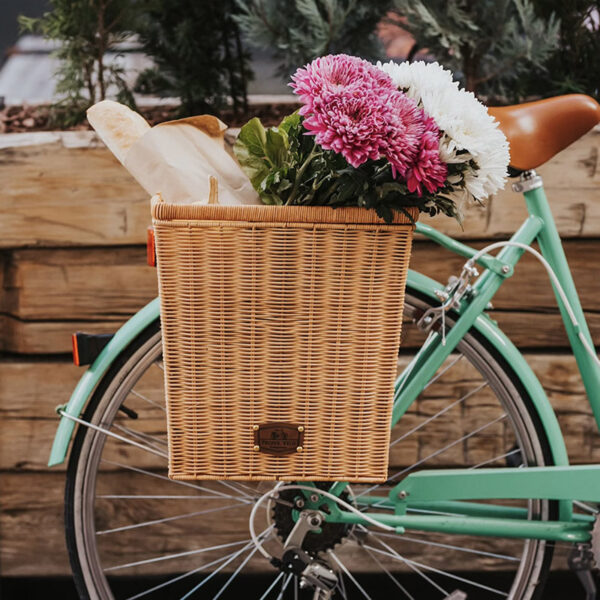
pixel 132 533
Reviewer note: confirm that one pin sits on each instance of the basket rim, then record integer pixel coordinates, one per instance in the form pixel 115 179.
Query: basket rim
pixel 257 213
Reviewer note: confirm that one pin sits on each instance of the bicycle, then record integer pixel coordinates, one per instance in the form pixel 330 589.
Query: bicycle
pixel 508 499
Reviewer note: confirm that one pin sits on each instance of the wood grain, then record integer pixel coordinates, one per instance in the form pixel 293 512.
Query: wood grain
pixel 49 293
pixel 30 391
pixel 63 196
pixel 56 194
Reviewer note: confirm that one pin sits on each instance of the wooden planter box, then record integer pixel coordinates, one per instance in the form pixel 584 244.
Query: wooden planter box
pixel 72 257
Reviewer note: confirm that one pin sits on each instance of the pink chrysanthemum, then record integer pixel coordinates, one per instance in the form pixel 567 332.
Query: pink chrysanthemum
pixel 337 73
pixel 428 168
pixel 406 128
pixel 353 108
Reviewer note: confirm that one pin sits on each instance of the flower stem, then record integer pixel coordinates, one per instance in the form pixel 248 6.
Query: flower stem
pixel 313 154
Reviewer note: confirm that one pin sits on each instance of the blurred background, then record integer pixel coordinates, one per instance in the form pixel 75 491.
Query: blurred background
pixel 218 57
pixel 73 222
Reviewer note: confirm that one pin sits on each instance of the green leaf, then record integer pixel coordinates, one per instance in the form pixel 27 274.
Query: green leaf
pixel 254 137
pixel 255 167
pixel 291 122
pixel 276 147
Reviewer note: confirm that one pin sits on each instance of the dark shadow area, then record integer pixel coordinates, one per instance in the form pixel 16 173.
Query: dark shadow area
pixel 561 585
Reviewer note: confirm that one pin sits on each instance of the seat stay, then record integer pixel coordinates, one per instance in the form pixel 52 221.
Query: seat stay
pixel 552 250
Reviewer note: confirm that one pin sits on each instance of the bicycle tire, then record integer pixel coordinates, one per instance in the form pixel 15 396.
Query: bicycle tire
pixel 82 514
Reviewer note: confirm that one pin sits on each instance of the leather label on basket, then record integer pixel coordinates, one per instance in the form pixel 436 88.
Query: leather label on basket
pixel 279 438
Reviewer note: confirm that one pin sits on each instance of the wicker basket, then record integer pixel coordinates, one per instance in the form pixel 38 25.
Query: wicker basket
pixel 281 328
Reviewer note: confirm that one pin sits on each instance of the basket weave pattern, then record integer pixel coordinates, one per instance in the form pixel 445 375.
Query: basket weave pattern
pixel 279 314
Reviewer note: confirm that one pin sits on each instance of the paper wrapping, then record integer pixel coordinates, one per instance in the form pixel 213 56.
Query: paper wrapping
pixel 176 160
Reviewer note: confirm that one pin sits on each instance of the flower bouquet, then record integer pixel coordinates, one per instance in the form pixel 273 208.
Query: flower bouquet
pixel 383 137
pixel 281 324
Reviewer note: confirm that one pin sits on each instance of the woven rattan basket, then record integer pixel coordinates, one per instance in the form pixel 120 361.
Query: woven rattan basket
pixel 281 327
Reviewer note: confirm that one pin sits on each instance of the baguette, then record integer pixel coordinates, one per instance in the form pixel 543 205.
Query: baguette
pixel 118 126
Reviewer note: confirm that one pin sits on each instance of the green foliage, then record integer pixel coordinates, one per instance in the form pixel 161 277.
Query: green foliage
pixel 286 166
pixel 300 30
pixel 575 68
pixel 197 53
pixel 490 44
pixel 85 30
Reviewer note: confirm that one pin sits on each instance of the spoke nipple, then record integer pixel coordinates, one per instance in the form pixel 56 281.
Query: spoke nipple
pixel 299 449
pixel 256 448
pixel 402 494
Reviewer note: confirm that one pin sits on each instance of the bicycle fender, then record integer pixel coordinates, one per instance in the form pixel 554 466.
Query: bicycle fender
pixel 92 376
pixel 494 335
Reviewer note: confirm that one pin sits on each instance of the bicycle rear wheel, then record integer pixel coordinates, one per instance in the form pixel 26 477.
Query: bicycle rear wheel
pixel 133 533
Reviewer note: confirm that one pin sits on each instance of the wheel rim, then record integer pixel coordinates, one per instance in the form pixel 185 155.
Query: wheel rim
pixel 108 522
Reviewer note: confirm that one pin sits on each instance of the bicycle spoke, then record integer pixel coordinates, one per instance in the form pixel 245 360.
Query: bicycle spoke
pixel 140 435
pixel 493 460
pixel 433 455
pixel 188 573
pixel 114 435
pixel 438 414
pixel 273 584
pixel 168 519
pixel 585 507
pixel 183 483
pixel 261 537
pixel 149 561
pixel 209 577
pixel 284 586
pixel 231 578
pixel 152 402
pixel 447 447
pixel 387 572
pixel 341 586
pixel 238 487
pixel 153 497
pixel 349 575
pixel 440 572
pixel 444 370
pixel 447 546
pixel 410 564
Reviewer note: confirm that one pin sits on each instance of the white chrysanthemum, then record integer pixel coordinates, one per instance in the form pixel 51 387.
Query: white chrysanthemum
pixel 469 131
pixel 418 78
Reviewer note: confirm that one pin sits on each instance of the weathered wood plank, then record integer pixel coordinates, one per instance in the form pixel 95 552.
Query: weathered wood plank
pixel 30 391
pixel 57 195
pixel 48 294
pixel 93 283
pixel 90 284
pixel 47 337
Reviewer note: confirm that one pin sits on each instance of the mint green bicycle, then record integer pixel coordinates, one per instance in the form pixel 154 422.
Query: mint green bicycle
pixel 479 475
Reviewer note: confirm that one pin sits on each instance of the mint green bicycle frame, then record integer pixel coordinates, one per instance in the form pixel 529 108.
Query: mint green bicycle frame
pixel 445 491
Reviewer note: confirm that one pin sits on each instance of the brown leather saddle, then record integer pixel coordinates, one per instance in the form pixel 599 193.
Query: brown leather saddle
pixel 536 131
